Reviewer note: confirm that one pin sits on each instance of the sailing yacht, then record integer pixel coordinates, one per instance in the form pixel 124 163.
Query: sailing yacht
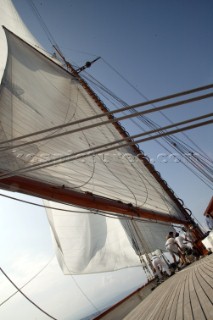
pixel 107 206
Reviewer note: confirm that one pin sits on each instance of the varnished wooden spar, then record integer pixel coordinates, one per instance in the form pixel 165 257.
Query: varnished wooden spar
pixel 188 295
pixel 87 200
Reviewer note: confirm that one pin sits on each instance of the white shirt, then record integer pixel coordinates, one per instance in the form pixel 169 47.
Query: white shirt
pixel 171 245
pixel 182 242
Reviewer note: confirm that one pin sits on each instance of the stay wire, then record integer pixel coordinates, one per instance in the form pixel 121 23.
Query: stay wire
pixel 168 140
pixel 103 213
pixel 142 95
pixel 12 295
pixel 144 119
pixel 174 142
pixel 187 153
pixel 53 42
pixel 25 296
pixel 43 24
pixel 127 142
pixel 109 113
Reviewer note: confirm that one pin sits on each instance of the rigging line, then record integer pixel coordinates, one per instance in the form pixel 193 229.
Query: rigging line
pixel 146 120
pixel 185 135
pixel 192 157
pixel 197 175
pixel 70 271
pixel 141 94
pixel 101 123
pixel 142 104
pixel 112 148
pixel 93 169
pixel 153 125
pixel 201 163
pixel 206 157
pixel 197 161
pixel 140 237
pixel 113 120
pixel 143 118
pixel 85 182
pixel 26 297
pixel 44 26
pixel 135 244
pixel 127 226
pixel 187 150
pixel 162 196
pixel 77 155
pixel 125 80
pixel 142 178
pixel 81 290
pixel 122 182
pixel 94 211
pixel 96 84
pixel 12 295
pixel 169 141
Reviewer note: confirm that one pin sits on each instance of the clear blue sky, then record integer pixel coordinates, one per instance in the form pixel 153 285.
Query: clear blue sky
pixel 161 47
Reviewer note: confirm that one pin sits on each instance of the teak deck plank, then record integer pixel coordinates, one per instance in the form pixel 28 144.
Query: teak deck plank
pixel 169 303
pixel 177 303
pixel 188 295
pixel 203 295
pixel 186 302
pixel 179 314
pixel 197 309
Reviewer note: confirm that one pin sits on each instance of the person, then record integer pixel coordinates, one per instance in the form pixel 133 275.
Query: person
pixel 190 237
pixel 185 246
pixel 182 242
pixel 209 221
pixel 174 249
pixel 159 266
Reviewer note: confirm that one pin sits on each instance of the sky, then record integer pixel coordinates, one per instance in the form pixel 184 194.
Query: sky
pixel 159 47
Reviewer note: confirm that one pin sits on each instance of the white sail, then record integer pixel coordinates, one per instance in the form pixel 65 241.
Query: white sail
pixel 86 242
pixel 37 94
pixel 10 18
pixel 89 243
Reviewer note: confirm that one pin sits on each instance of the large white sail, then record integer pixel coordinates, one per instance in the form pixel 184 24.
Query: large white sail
pixel 10 18
pixel 37 94
pixel 86 242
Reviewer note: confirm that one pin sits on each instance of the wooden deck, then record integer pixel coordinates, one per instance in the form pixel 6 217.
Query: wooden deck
pixel 187 295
